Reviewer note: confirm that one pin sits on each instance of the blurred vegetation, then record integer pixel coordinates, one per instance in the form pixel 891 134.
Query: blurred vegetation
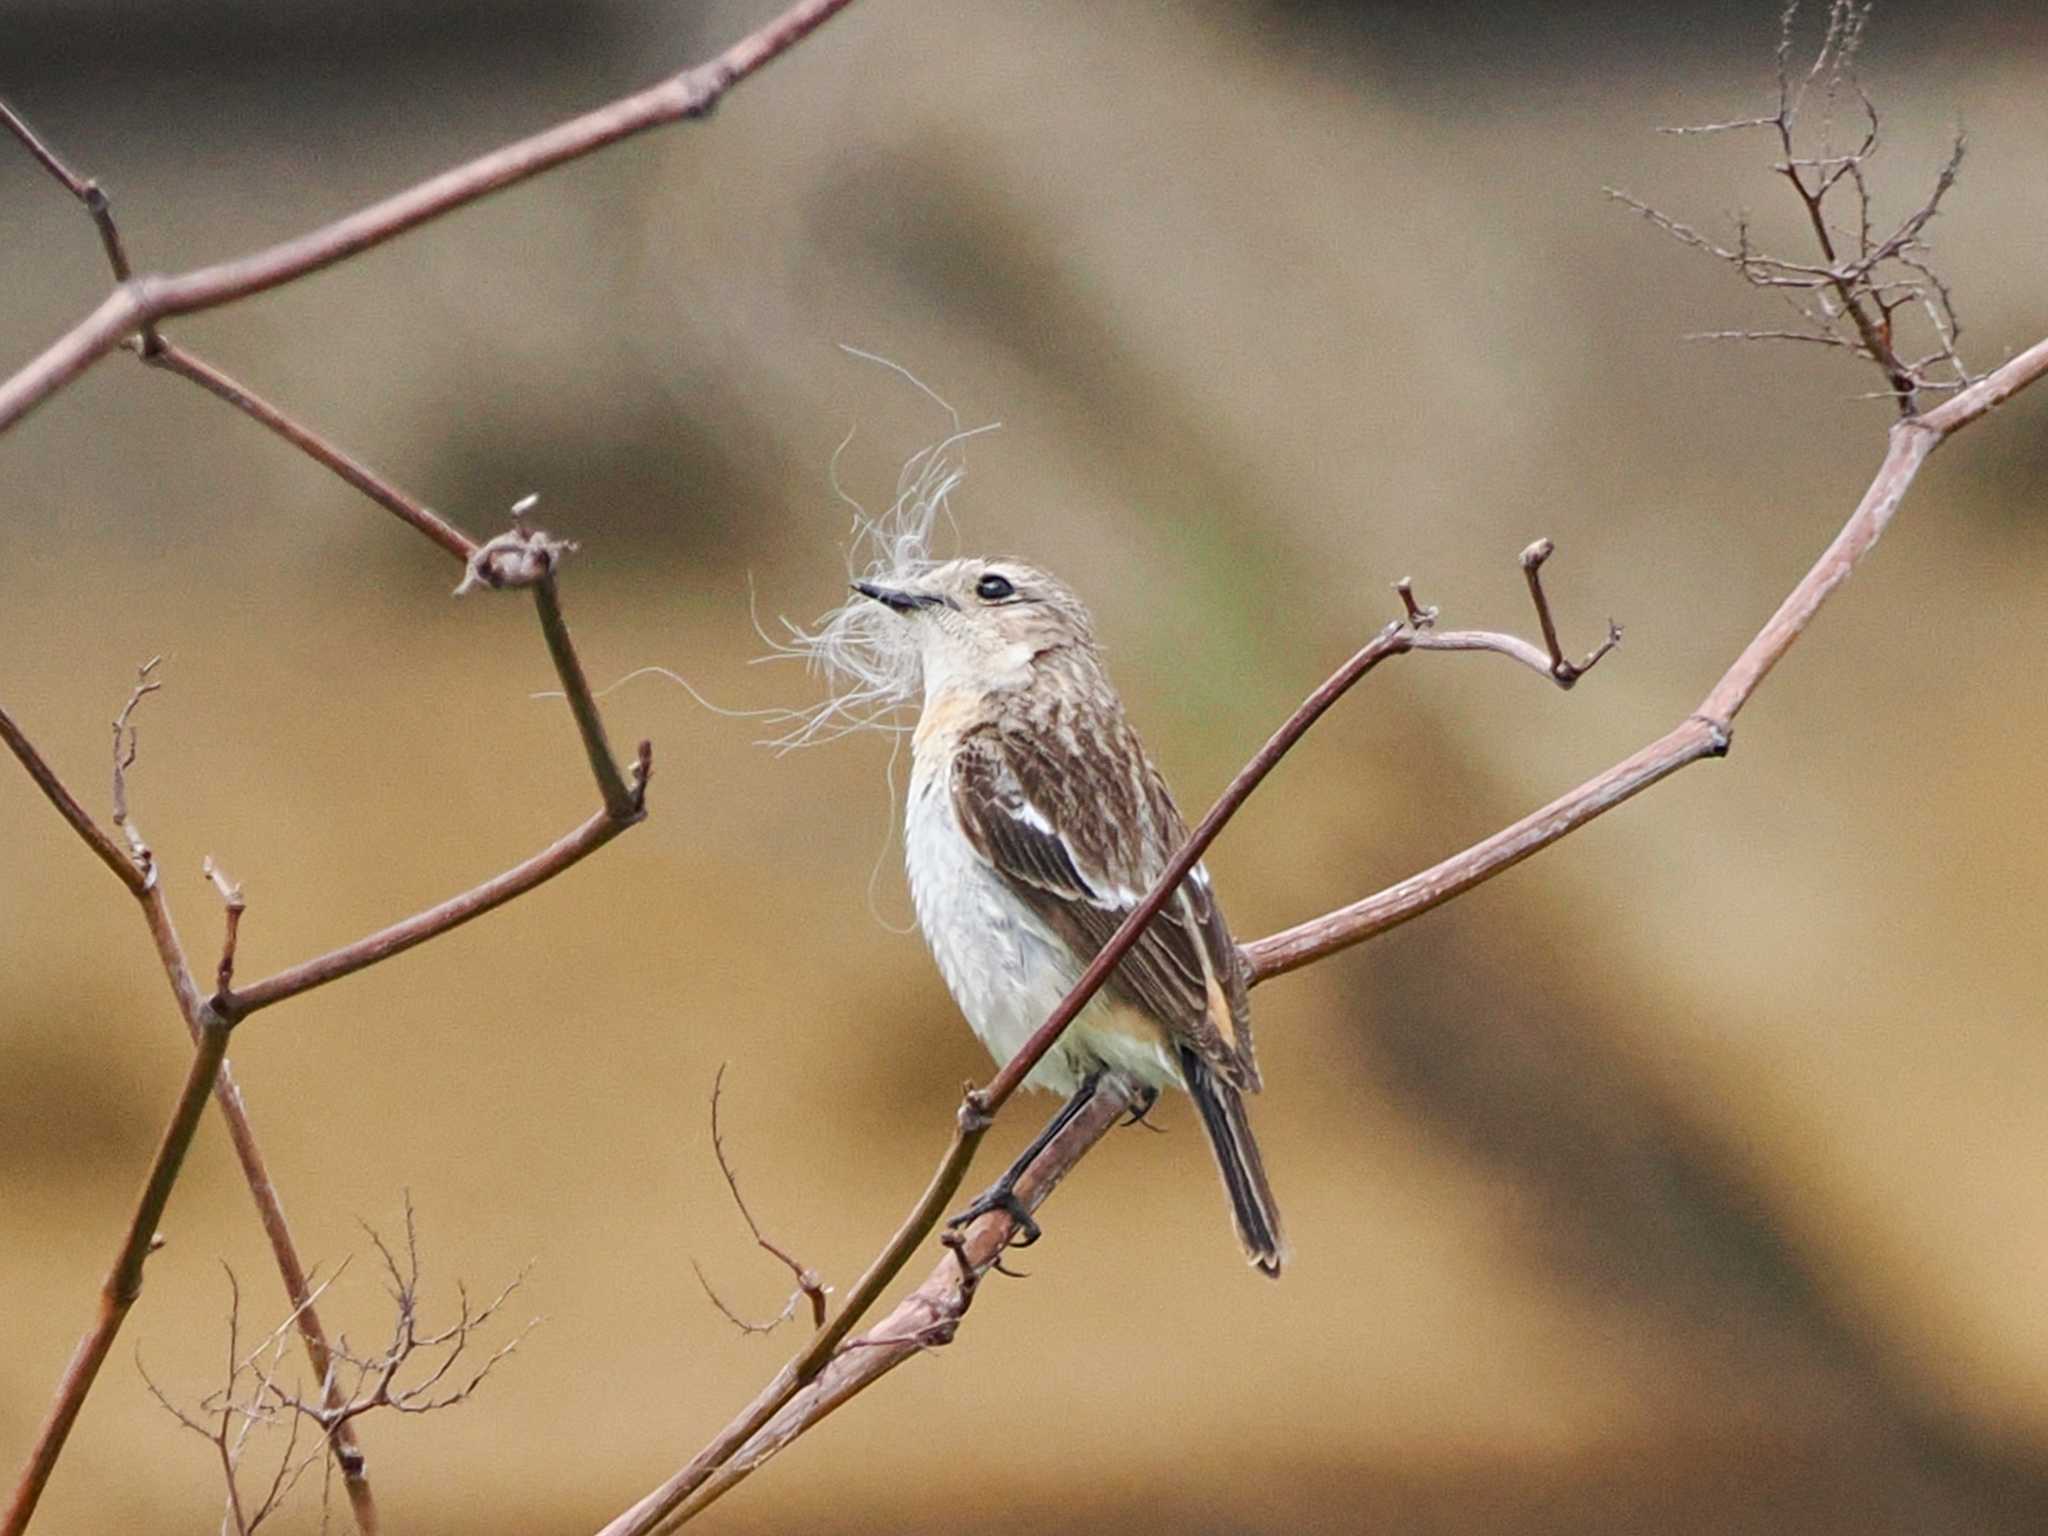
pixel 1687 1178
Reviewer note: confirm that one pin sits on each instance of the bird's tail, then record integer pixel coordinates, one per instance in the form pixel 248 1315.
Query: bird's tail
pixel 1237 1155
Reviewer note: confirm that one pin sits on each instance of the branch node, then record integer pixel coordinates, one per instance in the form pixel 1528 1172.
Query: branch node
pixel 643 770
pixel 1720 735
pixel 808 1283
pixel 1418 617
pixel 522 556
pixel 976 1114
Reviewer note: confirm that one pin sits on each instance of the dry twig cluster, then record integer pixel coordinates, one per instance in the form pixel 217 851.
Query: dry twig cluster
pixel 1867 284
pixel 420 1370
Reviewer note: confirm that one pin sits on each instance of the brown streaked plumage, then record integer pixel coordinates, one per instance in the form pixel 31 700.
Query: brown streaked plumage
pixel 1036 823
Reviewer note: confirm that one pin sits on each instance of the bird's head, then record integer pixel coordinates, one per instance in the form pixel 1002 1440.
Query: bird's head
pixel 983 624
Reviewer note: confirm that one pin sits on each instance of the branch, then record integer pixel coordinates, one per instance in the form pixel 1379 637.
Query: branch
pixel 124 1280
pixel 1707 732
pixel 251 1397
pixel 925 1319
pixel 176 359
pixel 200 1017
pixel 138 303
pixel 1861 279
pixel 521 558
pixel 809 1285
pixel 551 861
pixel 665 1506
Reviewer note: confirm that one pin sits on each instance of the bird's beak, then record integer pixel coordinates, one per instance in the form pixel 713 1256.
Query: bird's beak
pixel 901 601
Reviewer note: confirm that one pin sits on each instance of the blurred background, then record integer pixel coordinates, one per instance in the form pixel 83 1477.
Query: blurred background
pixel 1689 1177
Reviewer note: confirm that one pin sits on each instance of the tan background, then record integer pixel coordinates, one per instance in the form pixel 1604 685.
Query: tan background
pixel 1688 1178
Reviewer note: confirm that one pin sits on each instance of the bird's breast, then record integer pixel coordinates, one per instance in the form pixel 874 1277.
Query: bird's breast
pixel 1005 968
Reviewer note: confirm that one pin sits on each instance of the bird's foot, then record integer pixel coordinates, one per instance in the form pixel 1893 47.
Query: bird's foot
pixel 1001 1196
pixel 1141 1106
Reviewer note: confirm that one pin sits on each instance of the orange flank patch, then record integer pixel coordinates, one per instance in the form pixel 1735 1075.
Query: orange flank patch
pixel 946 716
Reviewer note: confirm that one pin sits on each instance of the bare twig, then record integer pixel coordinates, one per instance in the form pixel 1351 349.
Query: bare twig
pixel 137 305
pixel 175 359
pixel 252 1397
pixel 624 802
pixel 808 1283
pixel 563 854
pixel 85 190
pixel 1565 672
pixel 80 820
pixel 140 302
pixel 124 759
pixel 124 1279
pixel 234 904
pixel 219 1014
pixel 925 1319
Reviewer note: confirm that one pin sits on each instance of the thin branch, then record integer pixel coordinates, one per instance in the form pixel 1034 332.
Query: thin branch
pixel 136 306
pixel 251 1397
pixel 563 854
pixel 104 847
pixel 200 1018
pixel 235 905
pixel 622 801
pixel 124 1279
pixel 175 359
pixel 624 804
pixel 1707 732
pixel 124 759
pixel 1861 280
pixel 141 302
pixel 85 190
pixel 926 1318
pixel 808 1283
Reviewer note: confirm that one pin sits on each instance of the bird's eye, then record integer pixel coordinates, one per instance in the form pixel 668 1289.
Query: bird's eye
pixel 993 588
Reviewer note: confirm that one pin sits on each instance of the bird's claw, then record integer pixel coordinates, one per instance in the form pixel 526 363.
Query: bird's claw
pixel 1002 1198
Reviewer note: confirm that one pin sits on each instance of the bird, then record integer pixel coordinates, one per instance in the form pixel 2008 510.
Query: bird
pixel 1035 822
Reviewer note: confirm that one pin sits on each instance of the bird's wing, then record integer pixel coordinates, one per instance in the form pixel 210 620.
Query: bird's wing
pixel 1081 825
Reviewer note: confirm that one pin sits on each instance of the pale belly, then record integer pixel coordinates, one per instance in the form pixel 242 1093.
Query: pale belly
pixel 1005 967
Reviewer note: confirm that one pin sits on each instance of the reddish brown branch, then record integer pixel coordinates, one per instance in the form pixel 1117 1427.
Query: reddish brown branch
pixel 234 904
pixel 925 1319
pixel 167 355
pixel 103 846
pixel 551 861
pixel 200 1017
pixel 141 302
pixel 136 306
pixel 1704 733
pixel 809 1285
pixel 124 1280
pixel 666 1505
pixel 85 190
